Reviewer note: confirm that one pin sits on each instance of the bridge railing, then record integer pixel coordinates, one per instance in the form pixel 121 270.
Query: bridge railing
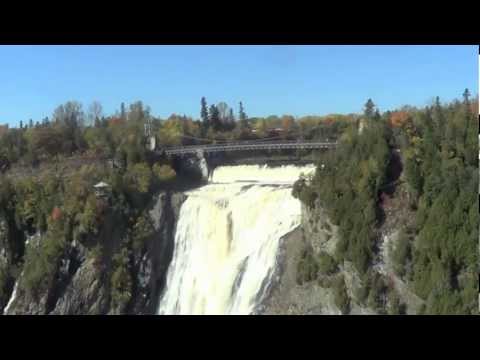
pixel 245 144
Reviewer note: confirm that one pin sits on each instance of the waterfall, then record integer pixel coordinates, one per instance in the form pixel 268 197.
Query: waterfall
pixel 227 238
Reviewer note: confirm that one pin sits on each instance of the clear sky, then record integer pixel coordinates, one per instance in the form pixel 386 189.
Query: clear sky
pixel 297 80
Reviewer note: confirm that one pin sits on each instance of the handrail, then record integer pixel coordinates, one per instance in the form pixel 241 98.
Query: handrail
pixel 245 145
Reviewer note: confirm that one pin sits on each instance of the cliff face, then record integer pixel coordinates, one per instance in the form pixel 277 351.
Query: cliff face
pixel 289 295
pixel 316 236
pixel 81 284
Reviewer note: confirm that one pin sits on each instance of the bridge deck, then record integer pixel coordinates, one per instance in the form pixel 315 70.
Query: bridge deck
pixel 244 146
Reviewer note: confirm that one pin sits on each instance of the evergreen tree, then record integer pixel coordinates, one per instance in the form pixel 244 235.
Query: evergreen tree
pixel 204 113
pixel 215 118
pixel 123 114
pixel 369 109
pixel 466 96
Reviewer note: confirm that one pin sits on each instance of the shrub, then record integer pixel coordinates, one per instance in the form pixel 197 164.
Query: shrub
pixel 142 230
pixel 41 261
pixel 342 300
pixel 307 268
pixel 327 264
pixel 164 173
pixel 401 254
pixel 121 280
pixel 140 177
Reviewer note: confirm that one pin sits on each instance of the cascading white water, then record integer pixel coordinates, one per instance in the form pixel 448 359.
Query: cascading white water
pixel 227 238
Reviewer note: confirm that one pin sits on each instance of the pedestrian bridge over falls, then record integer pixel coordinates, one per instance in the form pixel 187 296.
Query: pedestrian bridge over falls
pixel 246 146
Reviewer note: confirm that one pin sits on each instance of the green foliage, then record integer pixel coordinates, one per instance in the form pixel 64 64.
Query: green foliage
pixel 306 194
pixel 401 254
pixel 164 173
pixel 395 306
pixel 341 298
pixel 446 249
pixel 347 186
pixel 307 267
pixel 121 280
pixel 140 177
pixel 377 296
pixel 142 230
pixel 327 264
pixel 42 260
pixel 361 293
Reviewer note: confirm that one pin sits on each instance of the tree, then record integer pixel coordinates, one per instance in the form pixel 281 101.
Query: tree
pixel 204 113
pixel 242 117
pixel 141 177
pixel 342 300
pixel 171 132
pixel 287 122
pixel 164 173
pixel 466 95
pixel 123 114
pixel 94 113
pixel 44 141
pixel 223 111
pixel 137 112
pixel 215 118
pixel 369 109
pixel 401 254
pixel 69 118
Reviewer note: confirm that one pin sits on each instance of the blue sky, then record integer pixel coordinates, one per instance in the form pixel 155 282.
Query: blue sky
pixel 297 80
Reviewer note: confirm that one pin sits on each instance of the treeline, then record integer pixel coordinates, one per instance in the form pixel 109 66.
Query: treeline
pixel 438 256
pixel 442 173
pixel 123 135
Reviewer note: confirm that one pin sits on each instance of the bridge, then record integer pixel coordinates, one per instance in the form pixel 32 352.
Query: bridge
pixel 247 146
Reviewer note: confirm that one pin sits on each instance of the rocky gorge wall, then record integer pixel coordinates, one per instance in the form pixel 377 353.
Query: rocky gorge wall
pixel 82 283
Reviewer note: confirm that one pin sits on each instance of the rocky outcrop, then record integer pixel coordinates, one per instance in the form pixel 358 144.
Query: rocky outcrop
pixel 82 282
pixel 288 296
pixel 151 263
pixel 86 294
pixel 11 251
pixel 316 234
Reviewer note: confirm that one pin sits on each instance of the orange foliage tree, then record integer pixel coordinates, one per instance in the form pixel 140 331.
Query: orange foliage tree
pixel 56 213
pixel 399 118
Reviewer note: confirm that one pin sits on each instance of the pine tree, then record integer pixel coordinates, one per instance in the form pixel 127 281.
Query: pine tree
pixel 214 119
pixel 369 109
pixel 204 113
pixel 123 114
pixel 466 95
